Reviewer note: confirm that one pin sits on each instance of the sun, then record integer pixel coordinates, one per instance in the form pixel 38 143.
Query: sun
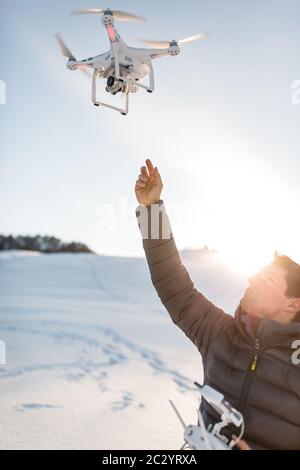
pixel 246 262
pixel 234 201
pixel 249 215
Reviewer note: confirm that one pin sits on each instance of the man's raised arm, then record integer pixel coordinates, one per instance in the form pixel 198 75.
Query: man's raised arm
pixel 197 317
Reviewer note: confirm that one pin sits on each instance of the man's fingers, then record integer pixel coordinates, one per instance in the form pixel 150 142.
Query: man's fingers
pixel 157 173
pixel 242 445
pixel 150 167
pixel 145 179
pixel 144 171
pixel 149 174
pixel 139 184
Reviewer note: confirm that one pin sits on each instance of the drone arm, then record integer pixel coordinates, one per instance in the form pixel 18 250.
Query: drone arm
pixel 117 63
pixel 149 54
pixel 156 53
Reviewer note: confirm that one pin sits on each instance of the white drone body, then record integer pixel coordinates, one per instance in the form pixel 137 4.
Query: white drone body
pixel 122 66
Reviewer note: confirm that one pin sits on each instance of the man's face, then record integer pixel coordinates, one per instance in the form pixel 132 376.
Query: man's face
pixel 265 296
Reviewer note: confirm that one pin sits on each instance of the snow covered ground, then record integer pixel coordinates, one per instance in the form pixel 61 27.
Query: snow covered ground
pixel 92 355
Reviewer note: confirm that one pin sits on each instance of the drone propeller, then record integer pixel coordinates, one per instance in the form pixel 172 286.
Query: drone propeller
pixel 164 44
pixel 118 14
pixel 64 48
pixel 68 54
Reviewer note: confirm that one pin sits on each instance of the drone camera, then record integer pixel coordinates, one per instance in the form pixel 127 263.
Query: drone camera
pixel 114 86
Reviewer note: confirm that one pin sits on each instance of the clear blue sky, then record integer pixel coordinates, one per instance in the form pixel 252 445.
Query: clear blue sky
pixel 220 126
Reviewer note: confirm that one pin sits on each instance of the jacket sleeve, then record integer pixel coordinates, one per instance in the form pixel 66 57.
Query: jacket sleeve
pixel 190 310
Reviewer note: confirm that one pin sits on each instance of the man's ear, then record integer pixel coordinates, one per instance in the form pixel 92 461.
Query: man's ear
pixel 294 304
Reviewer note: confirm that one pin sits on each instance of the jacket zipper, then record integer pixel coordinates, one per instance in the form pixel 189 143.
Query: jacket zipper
pixel 253 365
pixel 249 378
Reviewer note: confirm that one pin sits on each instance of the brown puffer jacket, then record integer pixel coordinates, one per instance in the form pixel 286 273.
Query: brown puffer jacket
pixel 266 389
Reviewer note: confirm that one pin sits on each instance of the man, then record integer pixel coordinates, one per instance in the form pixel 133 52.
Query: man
pixel 251 358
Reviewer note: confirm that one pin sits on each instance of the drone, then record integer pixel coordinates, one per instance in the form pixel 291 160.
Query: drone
pixel 201 438
pixel 122 66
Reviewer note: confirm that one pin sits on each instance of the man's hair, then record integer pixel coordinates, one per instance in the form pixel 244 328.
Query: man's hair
pixel 292 277
pixel 293 274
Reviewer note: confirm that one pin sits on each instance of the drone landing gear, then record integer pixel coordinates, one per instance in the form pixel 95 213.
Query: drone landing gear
pixel 150 87
pixel 124 111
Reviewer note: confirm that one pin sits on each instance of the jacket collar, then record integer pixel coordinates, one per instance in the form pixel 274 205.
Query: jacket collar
pixel 269 332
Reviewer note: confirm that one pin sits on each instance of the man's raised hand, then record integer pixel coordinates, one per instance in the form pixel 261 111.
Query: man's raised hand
pixel 148 186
